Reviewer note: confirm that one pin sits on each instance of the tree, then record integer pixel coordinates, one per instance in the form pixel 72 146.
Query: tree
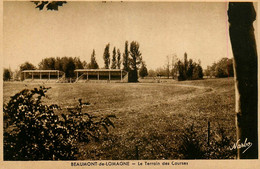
pixel 113 65
pixel 168 66
pixel 27 66
pixel 135 60
pixel 224 68
pixel 143 71
pixel 84 64
pixel 197 72
pixel 6 75
pixel 241 31
pixel 106 56
pixel 126 58
pixel 180 68
pixel 185 64
pixel 118 59
pixel 78 63
pixel 207 71
pixel 47 64
pixel 161 71
pixel 93 63
pixel 190 69
pixel 151 73
pixel 59 64
pixel 173 64
pixel 69 67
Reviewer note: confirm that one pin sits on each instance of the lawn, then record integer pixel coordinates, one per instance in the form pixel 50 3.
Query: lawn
pixel 151 116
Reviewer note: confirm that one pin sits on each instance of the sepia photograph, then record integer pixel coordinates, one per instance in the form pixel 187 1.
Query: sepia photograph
pixel 120 81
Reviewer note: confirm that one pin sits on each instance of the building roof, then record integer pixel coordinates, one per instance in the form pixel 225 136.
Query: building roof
pixel 44 71
pixel 99 70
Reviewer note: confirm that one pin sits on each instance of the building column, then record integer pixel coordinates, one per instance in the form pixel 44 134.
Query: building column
pixel 109 76
pixel 58 75
pixel 49 75
pixel 40 76
pixel 121 76
pixel 32 75
pixel 98 75
pixel 24 75
pixel 87 75
pixel 77 75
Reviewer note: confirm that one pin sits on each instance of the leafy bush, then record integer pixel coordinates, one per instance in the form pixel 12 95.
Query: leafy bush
pixel 220 146
pixel 34 131
pixel 190 147
pixel 194 146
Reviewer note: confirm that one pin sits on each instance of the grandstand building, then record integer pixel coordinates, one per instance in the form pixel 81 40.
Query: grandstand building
pixel 43 75
pixel 101 75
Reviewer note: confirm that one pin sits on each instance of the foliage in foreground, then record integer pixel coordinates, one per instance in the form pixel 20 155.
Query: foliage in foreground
pixel 34 131
pixel 194 146
pixel 50 5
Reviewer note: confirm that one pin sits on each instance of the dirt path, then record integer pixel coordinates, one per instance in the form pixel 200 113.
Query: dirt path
pixel 194 86
pixel 199 90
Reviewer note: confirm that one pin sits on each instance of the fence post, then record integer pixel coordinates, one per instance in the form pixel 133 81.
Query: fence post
pixel 136 153
pixel 208 133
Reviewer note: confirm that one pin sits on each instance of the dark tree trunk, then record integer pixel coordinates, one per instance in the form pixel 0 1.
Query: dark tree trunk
pixel 241 18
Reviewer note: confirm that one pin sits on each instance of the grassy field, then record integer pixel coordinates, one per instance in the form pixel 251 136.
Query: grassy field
pixel 151 116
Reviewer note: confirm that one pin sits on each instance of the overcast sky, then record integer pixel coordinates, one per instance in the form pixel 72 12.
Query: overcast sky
pixel 162 29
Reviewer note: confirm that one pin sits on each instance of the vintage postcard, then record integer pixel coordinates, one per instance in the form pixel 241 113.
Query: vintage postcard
pixel 129 84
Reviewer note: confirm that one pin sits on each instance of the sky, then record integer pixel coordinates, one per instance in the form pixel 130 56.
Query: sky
pixel 161 28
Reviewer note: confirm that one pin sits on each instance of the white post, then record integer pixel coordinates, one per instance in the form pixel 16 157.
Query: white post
pixel 40 76
pixel 98 75
pixel 49 75
pixel 87 75
pixel 77 75
pixel 58 75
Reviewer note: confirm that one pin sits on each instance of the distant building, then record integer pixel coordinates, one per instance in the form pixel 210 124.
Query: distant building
pixel 101 75
pixel 43 75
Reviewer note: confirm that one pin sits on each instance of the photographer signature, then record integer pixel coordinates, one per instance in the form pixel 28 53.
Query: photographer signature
pixel 238 145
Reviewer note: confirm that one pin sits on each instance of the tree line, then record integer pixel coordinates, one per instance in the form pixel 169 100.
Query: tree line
pixel 223 68
pixel 178 69
pixel 131 60
pixel 190 70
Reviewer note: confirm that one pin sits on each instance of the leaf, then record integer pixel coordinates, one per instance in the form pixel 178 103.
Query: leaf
pixel 42 4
